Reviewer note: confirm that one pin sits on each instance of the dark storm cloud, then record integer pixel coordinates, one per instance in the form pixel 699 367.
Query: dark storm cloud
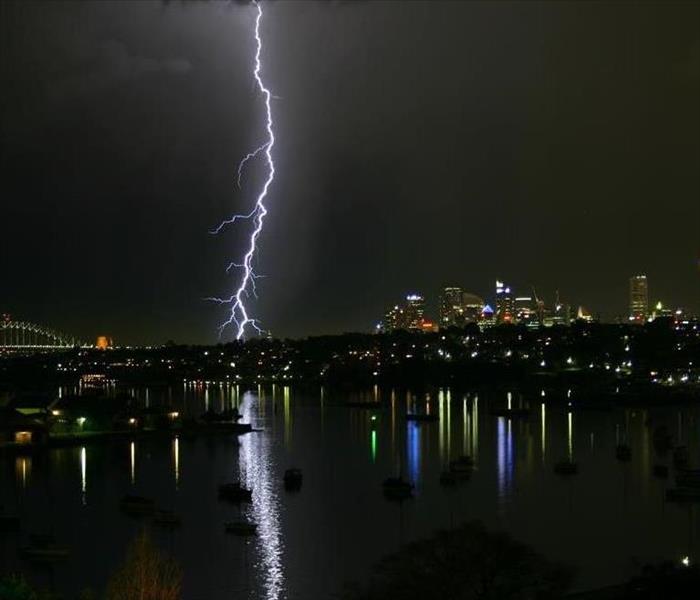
pixel 418 144
pixel 111 64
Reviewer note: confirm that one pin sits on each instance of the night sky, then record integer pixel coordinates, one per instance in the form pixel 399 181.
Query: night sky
pixel 418 145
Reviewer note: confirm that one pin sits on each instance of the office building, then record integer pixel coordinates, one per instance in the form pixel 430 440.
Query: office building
pixel 505 303
pixel 639 299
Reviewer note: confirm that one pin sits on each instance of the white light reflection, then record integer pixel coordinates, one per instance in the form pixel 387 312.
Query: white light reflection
pixel 475 427
pixel 441 416
pixel 23 468
pixel 543 419
pixel 258 473
pixel 132 456
pixel 176 460
pixel 83 474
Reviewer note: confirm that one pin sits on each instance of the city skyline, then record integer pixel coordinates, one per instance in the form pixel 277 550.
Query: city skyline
pixel 121 140
pixel 425 312
pixel 458 306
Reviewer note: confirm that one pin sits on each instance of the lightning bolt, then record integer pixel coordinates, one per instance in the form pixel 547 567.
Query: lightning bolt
pixel 239 316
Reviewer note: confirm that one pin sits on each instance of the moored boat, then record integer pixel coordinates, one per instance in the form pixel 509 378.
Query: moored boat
pixel 244 528
pixel 511 413
pixel 370 405
pixel 683 495
pixel 43 548
pixel 623 453
pixel 688 478
pixel 660 471
pixel 9 522
pixel 680 456
pixel 421 417
pixel 462 465
pixel 448 478
pixel 44 553
pixel 137 505
pixel 397 488
pixel 293 479
pixel 566 467
pixel 167 518
pixel 235 492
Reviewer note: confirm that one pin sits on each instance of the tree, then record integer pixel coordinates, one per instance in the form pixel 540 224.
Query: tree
pixel 468 563
pixel 15 587
pixel 146 574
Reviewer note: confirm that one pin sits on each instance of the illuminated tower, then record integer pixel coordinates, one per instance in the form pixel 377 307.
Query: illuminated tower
pixel 471 307
pixel 394 319
pixel 505 303
pixel 639 299
pixel 415 309
pixel 451 309
pixel 525 312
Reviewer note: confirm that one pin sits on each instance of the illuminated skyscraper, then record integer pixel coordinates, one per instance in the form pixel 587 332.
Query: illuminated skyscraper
pixel 451 306
pixel 472 306
pixel 639 299
pixel 505 303
pixel 525 312
pixel 394 319
pixel 414 311
pixel 410 315
pixel 486 318
pixel 457 307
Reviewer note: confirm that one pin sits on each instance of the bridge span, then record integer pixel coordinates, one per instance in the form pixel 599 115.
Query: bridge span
pixel 23 335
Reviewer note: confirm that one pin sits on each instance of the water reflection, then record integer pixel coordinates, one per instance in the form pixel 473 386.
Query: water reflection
pixel 283 562
pixel 176 460
pixel 543 426
pixel 441 423
pixel 132 460
pixel 393 422
pixel 413 450
pixel 287 417
pixel 466 428
pixel 475 427
pixel 259 474
pixel 83 475
pixel 505 458
pixel 23 469
pixel 570 437
pixel 448 426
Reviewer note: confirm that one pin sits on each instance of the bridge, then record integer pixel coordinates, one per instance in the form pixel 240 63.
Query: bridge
pixel 23 335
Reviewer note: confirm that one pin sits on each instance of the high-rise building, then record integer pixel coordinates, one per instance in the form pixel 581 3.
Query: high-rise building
pixel 393 319
pixel 486 318
pixel 525 311
pixel 410 315
pixel 451 310
pixel 457 307
pixel 660 312
pixel 415 310
pixel 505 303
pixel 639 299
pixel 472 306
